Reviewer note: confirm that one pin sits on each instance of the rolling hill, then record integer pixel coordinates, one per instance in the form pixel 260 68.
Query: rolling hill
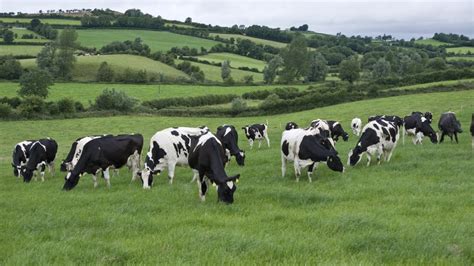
pixel 213 73
pixel 235 60
pixel 19 50
pixel 255 40
pixel 51 21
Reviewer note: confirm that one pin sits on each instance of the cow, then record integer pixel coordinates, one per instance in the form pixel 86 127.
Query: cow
pixel 427 115
pixel 207 159
pixel 356 126
pixel 378 137
pixel 229 138
pixel 168 148
pixel 337 131
pixel 307 148
pixel 66 164
pixel 256 132
pixel 322 129
pixel 41 154
pixel 418 126
pixel 398 121
pixel 291 125
pixel 21 154
pixel 99 154
pixel 449 125
pixel 472 130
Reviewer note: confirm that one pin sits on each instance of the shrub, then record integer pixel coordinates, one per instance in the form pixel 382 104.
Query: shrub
pixel 79 107
pixel 13 102
pixel 5 110
pixel 52 108
pixel 105 73
pixel 114 100
pixel 66 106
pixel 32 105
pixel 270 102
pixel 10 68
pixel 35 83
pixel 248 79
pixel 238 105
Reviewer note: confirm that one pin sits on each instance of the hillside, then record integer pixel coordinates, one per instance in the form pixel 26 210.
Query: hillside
pixel 255 40
pixel 51 21
pixel 19 50
pixel 432 42
pixel 236 61
pixel 213 73
pixel 21 31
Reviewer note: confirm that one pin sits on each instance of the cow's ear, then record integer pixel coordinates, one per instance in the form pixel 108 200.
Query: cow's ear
pixel 219 128
pixel 234 178
pixel 13 165
pixel 243 127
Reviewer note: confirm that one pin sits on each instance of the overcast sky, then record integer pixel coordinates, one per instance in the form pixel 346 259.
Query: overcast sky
pixel 403 19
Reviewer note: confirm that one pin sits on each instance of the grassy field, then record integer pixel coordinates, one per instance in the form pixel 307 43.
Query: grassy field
pixel 90 91
pixel 431 84
pixel 179 25
pixel 51 21
pixel 460 58
pixel 86 66
pixel 21 31
pixel 432 42
pixel 157 40
pixel 213 73
pixel 235 60
pixel 417 209
pixel 255 40
pixel 460 50
pixel 31 50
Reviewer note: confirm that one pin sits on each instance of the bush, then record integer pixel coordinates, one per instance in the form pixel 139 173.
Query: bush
pixel 238 105
pixel 270 102
pixel 114 100
pixel 105 73
pixel 248 79
pixel 52 108
pixel 5 110
pixel 35 83
pixel 10 68
pixel 66 106
pixel 79 107
pixel 13 102
pixel 32 105
pixel 190 101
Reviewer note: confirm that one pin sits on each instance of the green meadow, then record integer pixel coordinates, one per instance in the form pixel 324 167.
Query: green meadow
pixel 432 42
pixel 213 73
pixel 16 50
pixel 51 21
pixel 416 209
pixel 236 61
pixel 255 40
pixel 460 50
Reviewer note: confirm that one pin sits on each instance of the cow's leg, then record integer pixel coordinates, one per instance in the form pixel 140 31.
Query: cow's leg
pixel 251 143
pixel 42 169
pixel 456 137
pixel 202 185
pixel 310 172
pixel 107 177
pixel 442 137
pixel 171 167
pixel 283 165
pixel 195 175
pixel 369 157
pixel 259 143
pixel 379 153
pixel 297 170
pixel 94 178
pixel 51 168
pixel 268 140
pixel 451 136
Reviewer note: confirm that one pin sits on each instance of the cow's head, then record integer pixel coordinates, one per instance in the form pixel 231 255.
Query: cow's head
pixel 291 125
pixel 429 116
pixel 154 164
pixel 356 126
pixel 427 130
pixel 398 121
pixel 72 179
pixel 457 126
pixel 26 173
pixel 16 170
pixel 354 156
pixel 334 163
pixel 240 158
pixel 226 189
pixel 66 166
pixel 338 131
pixel 246 131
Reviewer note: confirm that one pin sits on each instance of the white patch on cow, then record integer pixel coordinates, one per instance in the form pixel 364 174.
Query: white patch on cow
pixel 79 148
pixel 423 119
pixel 227 131
pixel 230 184
pixel 356 125
pixel 68 175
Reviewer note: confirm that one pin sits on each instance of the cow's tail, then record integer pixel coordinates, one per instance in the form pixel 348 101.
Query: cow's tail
pixel 472 143
pixel 403 133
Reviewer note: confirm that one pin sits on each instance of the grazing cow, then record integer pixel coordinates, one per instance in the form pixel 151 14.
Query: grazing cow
pixel 378 137
pixel 337 131
pixel 427 115
pixel 21 154
pixel 41 154
pixel 449 125
pixel 356 125
pixel 291 125
pixel 322 126
pixel 66 164
pixel 256 132
pixel 398 121
pixel 99 154
pixel 168 148
pixel 418 126
pixel 229 138
pixel 207 159
pixel 472 131
pixel 305 148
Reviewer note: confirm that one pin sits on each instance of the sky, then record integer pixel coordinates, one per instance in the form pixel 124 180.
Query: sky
pixel 402 19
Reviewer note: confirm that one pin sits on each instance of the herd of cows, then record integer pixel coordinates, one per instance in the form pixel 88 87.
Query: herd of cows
pixel 207 154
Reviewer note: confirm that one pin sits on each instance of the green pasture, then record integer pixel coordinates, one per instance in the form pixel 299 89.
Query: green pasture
pixel 213 73
pixel 432 42
pixel 418 209
pixel 157 40
pixel 460 50
pixel 16 50
pixel 255 40
pixel 51 21
pixel 236 61
pixel 460 58
pixel 21 31
pixel 432 84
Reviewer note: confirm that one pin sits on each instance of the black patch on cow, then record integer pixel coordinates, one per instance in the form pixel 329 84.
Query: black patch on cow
pixel 381 122
pixel 376 126
pixel 187 141
pixel 175 133
pixel 393 134
pixel 176 149
pixel 285 148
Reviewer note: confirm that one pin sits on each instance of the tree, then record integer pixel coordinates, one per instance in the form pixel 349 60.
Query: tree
pixel 8 36
pixel 381 69
pixel 35 83
pixel 105 73
pixel 437 63
pixel 349 70
pixel 188 20
pixel 318 68
pixel 225 70
pixel 271 69
pixel 296 59
pixel 45 58
pixel 64 59
pixel 35 23
pixel 10 68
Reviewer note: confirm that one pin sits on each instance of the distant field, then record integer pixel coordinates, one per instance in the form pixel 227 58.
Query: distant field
pixel 460 58
pixel 235 60
pixel 213 73
pixel 21 31
pixel 432 42
pixel 431 84
pixel 460 50
pixel 87 66
pixel 88 91
pixel 179 25
pixel 255 40
pixel 30 50
pixel 157 40
pixel 51 21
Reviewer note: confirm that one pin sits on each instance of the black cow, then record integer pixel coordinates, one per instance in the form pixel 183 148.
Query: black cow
pixel 398 121
pixel 449 125
pixel 337 130
pixel 230 139
pixel 41 154
pixel 21 154
pixel 291 125
pixel 418 126
pixel 99 154
pixel 207 159
pixel 256 132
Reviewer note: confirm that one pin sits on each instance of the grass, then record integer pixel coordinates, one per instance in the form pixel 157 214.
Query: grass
pixel 89 91
pixel 157 40
pixel 432 84
pixel 17 50
pixel 432 42
pixel 236 61
pixel 460 58
pixel 213 73
pixel 51 21
pixel 86 66
pixel 460 50
pixel 417 209
pixel 179 25
pixel 21 31
pixel 255 40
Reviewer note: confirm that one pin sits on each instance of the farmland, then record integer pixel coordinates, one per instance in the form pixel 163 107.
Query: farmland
pixel 432 42
pixel 21 31
pixel 17 50
pixel 51 21
pixel 431 84
pixel 460 50
pixel 213 73
pixel 255 40
pixel 157 40
pixel 235 60
pixel 417 209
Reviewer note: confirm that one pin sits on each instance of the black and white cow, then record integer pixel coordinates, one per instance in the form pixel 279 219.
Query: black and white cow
pixel 356 126
pixel 21 154
pixel 427 115
pixel 291 125
pixel 229 138
pixel 256 132
pixel 168 148
pixel 66 164
pixel 398 121
pixel 337 131
pixel 449 125
pixel 41 154
pixel 378 137
pixel 307 148
pixel 418 126
pixel 472 130
pixel 207 159
pixel 94 155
